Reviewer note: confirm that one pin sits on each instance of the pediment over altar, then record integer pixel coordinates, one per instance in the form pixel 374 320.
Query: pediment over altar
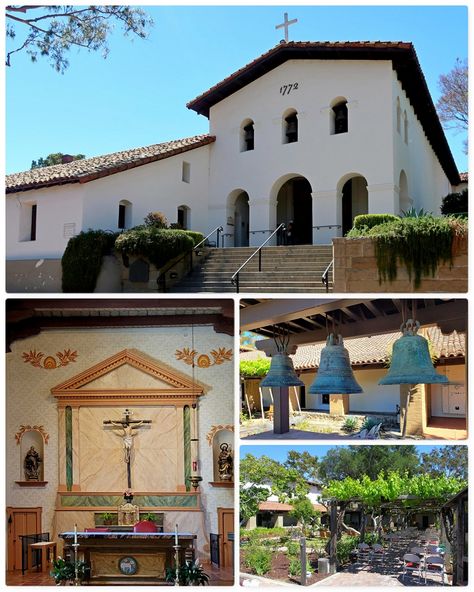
pixel 129 375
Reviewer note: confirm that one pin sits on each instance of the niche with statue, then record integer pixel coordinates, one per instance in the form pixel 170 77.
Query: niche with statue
pixel 31 441
pixel 222 442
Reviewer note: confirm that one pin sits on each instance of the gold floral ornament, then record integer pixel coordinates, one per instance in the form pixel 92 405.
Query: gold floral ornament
pixel 38 359
pixel 188 355
pixel 29 428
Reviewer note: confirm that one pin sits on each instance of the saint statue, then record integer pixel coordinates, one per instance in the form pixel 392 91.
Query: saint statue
pixel 225 463
pixel 31 465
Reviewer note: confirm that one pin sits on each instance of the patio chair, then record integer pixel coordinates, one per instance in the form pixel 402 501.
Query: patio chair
pixel 434 565
pixel 412 564
pixel 374 432
pixel 378 552
pixel 363 552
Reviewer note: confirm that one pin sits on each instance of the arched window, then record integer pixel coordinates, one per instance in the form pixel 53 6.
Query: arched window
pixel 124 214
pixel 341 120
pixel 290 128
pixel 399 116
pixel 247 136
pixel 405 127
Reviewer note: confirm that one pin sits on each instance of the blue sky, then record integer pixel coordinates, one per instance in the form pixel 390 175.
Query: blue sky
pixel 280 452
pixel 138 95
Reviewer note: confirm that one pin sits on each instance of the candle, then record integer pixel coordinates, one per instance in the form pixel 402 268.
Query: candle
pixel 75 534
pixel 176 535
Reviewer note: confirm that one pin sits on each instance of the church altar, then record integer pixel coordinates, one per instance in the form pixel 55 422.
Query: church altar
pixel 128 556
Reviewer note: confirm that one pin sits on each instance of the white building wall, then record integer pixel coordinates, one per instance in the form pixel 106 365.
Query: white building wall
pixel 427 182
pixel 59 214
pixel 325 160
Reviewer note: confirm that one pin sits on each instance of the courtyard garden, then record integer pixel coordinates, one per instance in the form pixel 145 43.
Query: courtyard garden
pixel 372 515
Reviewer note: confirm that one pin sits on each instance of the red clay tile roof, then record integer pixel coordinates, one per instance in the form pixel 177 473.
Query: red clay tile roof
pixel 82 171
pixel 280 507
pixel 404 62
pixel 374 350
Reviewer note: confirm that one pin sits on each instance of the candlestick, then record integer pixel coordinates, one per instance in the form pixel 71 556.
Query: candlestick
pixel 75 534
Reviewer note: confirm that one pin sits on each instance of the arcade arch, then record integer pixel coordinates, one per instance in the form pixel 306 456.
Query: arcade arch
pixel 294 203
pixel 238 219
pixel 354 199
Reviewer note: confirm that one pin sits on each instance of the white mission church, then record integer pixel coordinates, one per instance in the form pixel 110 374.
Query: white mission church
pixel 309 132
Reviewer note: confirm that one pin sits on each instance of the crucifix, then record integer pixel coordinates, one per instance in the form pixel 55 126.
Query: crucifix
pixel 128 426
pixel 285 25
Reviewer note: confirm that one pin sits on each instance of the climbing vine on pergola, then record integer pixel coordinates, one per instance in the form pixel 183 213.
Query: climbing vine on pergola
pixel 388 493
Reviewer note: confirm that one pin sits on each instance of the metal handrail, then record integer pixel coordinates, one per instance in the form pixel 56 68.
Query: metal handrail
pixel 162 279
pixel 319 226
pixel 235 278
pixel 325 276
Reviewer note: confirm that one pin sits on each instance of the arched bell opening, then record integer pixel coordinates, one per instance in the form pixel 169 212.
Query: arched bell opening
pixel 355 201
pixel 295 207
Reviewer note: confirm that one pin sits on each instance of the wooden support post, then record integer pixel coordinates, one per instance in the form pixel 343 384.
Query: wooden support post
pixel 281 409
pixel 303 560
pixel 333 541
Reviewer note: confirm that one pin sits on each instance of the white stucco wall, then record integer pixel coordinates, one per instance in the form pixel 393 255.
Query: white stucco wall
pixel 325 160
pixel 427 182
pixel 28 401
pixel 374 398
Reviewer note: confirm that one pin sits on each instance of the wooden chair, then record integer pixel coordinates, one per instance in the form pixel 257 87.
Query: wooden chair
pixel 412 564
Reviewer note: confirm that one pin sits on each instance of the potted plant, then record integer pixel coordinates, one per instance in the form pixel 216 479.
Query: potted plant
pixel 189 574
pixel 149 517
pixel 106 518
pixel 65 571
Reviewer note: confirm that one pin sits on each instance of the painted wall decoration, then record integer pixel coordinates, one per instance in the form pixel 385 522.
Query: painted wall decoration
pixel 29 428
pixel 219 355
pixel 40 360
pixel 218 428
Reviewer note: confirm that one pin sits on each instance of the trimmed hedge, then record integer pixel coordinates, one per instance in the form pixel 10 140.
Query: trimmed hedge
pixel 196 236
pixel 255 368
pixel 371 220
pixel 158 245
pixel 82 259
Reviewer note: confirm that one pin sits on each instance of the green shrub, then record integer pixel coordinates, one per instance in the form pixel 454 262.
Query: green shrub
pixel 414 213
pixel 350 425
pixel 455 203
pixel 421 244
pixel 294 568
pixel 255 368
pixel 293 548
pixel 371 220
pixel 158 245
pixel 82 259
pixel 344 547
pixel 369 423
pixel 196 236
pixel 258 560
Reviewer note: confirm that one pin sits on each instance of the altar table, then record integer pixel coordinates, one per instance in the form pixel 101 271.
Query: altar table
pixel 128 556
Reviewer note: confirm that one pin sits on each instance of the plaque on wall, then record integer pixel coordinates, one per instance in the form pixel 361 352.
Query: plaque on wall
pixel 128 566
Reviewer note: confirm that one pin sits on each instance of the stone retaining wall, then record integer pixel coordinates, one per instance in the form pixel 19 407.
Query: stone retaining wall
pixel 355 270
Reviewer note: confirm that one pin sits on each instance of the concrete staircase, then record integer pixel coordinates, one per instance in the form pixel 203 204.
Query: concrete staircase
pixel 284 269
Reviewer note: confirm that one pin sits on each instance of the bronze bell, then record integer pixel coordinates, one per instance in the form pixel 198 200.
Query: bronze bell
pixel 411 360
pixel 282 372
pixel 335 376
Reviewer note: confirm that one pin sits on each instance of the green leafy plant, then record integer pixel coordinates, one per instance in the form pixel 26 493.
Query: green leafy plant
pixel 158 245
pixel 255 368
pixel 196 236
pixel 106 517
pixel 370 220
pixel 82 259
pixel 419 243
pixel 189 574
pixel 65 571
pixel 293 548
pixel 294 569
pixel 350 425
pixel 150 516
pixel 414 213
pixel 455 203
pixel 258 560
pixel 369 423
pixel 344 546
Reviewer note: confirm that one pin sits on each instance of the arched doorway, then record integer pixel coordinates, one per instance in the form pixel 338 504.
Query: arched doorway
pixel 184 217
pixel 405 201
pixel 241 220
pixel 355 201
pixel 295 204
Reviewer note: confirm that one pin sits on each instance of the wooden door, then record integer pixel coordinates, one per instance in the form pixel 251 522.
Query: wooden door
pixel 226 528
pixel 20 521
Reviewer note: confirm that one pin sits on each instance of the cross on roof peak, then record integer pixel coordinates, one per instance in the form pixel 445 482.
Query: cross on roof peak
pixel 286 24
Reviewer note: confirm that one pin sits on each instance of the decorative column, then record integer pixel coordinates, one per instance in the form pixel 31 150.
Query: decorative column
pixel 194 442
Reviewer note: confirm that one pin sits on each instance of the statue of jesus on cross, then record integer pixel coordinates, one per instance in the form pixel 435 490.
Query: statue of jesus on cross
pixel 127 426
